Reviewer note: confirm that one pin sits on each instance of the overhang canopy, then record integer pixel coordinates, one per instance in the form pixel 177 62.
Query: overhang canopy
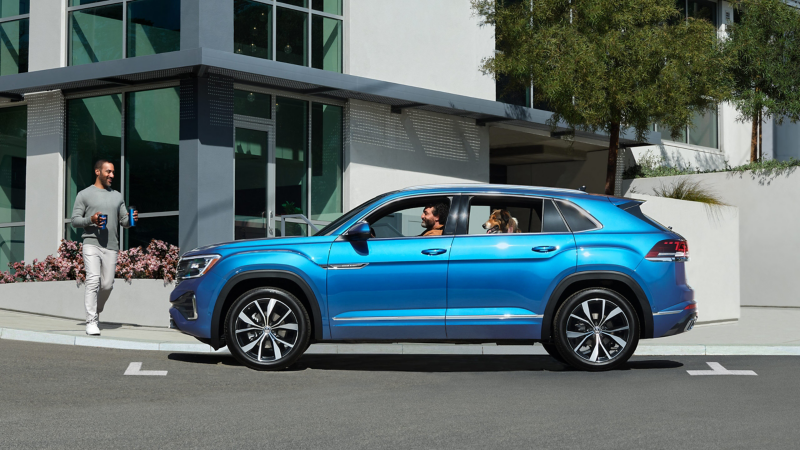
pixel 280 76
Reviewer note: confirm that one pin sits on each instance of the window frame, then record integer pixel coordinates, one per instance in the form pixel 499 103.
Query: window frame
pixel 311 13
pixel 463 224
pixel 71 9
pixel 4 225
pixel 121 173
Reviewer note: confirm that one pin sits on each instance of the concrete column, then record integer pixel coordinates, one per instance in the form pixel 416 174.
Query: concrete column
pixel 48 22
pixel 206 155
pixel 207 24
pixel 44 178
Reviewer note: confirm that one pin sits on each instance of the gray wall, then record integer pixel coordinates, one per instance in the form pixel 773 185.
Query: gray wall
pixel 768 238
pixel 571 174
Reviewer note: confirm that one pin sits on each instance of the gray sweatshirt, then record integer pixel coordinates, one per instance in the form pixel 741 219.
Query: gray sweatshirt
pixel 105 201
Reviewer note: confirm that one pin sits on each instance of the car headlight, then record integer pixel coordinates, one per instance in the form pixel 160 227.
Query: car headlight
pixel 195 266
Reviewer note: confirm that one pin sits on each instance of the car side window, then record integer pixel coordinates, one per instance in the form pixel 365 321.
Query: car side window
pixel 501 215
pixel 416 217
pixel 577 218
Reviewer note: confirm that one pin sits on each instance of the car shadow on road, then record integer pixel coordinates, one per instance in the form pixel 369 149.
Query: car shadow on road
pixel 426 363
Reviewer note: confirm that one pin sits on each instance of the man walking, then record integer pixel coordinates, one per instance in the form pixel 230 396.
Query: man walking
pixel 99 210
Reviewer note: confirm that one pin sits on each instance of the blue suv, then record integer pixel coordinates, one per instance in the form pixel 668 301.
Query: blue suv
pixel 586 275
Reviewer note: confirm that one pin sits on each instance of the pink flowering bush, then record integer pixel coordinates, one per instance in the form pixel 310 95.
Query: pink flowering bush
pixel 158 261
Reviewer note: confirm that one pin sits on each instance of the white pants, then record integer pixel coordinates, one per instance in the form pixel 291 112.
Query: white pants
pixel 100 264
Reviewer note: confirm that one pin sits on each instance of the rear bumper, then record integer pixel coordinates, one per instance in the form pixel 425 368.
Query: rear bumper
pixel 684 325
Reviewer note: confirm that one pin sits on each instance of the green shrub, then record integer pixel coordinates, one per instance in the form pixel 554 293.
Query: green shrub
pixel 693 191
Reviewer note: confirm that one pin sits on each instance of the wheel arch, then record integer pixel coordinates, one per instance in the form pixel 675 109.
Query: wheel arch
pixel 281 279
pixel 616 281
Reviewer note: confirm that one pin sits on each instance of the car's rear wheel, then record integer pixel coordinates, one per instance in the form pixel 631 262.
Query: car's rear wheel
pixel 596 329
pixel 267 329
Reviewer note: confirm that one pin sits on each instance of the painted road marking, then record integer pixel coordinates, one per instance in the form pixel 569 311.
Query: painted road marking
pixel 135 368
pixel 717 369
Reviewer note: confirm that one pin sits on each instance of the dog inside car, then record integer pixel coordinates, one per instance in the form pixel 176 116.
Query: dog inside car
pixel 501 221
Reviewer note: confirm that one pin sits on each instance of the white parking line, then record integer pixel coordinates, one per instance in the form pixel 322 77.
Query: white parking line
pixel 135 368
pixel 717 369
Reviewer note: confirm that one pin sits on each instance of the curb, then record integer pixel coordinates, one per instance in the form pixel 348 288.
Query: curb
pixel 396 349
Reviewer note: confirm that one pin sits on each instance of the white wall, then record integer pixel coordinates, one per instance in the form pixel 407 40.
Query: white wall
pixel 386 151
pixel 681 155
pixel 436 45
pixel 713 267
pixel 768 239
pixel 48 24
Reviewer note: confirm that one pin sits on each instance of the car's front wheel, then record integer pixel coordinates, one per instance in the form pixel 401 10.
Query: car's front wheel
pixel 596 329
pixel 267 329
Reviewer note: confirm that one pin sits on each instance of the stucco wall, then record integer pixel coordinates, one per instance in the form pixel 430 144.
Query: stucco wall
pixel 386 151
pixel 713 267
pixel 768 239
pixel 430 44
pixel 142 302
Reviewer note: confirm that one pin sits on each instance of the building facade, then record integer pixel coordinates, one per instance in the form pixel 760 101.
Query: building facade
pixel 229 119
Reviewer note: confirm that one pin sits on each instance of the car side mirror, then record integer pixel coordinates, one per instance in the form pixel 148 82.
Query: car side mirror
pixel 358 232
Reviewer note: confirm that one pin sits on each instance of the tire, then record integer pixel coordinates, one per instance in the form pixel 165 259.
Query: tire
pixel 596 329
pixel 552 350
pixel 274 345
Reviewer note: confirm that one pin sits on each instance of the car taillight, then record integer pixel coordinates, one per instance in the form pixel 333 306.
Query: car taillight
pixel 670 250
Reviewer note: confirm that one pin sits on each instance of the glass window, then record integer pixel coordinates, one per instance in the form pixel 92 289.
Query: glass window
pixel 248 103
pixel 151 150
pixel 404 218
pixel 149 228
pixel 154 26
pixel 328 6
pixel 292 37
pixel 703 9
pixel 507 92
pixel 326 43
pixel 495 215
pixel 94 131
pixel 95 35
pixel 13 154
pixel 704 130
pixel 326 161
pixel 14 47
pixel 250 180
pixel 291 146
pixel 10 8
pixel 577 218
pixel 12 246
pixel 666 134
pixel 552 222
pixel 252 29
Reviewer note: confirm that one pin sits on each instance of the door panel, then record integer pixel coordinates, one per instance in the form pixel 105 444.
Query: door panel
pixel 497 283
pixel 388 289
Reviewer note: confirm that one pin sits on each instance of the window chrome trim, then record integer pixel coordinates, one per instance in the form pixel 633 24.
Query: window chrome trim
pixel 354 266
pixel 388 318
pixel 472 195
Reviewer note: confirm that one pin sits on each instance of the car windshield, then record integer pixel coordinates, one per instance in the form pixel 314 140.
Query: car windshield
pixel 331 227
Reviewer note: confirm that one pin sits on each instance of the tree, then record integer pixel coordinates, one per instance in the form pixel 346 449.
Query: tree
pixel 765 49
pixel 609 65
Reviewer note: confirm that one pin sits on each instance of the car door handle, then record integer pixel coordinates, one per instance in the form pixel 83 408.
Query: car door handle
pixel 434 251
pixel 544 249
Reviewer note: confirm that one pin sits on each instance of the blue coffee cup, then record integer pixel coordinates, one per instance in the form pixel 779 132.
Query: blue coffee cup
pixel 103 221
pixel 131 220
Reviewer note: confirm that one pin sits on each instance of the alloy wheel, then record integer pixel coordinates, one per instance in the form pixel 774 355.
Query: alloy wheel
pixel 266 330
pixel 597 330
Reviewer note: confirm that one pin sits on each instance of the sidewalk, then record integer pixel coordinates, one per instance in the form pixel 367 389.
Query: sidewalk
pixel 760 331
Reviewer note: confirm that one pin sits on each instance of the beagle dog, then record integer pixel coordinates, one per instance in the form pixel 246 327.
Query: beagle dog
pixel 500 221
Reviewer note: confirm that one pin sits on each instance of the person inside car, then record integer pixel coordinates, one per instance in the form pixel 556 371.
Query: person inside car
pixel 434 217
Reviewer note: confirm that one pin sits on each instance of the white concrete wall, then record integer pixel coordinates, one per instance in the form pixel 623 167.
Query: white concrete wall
pixel 436 44
pixel 681 155
pixel 47 34
pixel 572 174
pixel 142 302
pixel 713 267
pixel 386 151
pixel 768 238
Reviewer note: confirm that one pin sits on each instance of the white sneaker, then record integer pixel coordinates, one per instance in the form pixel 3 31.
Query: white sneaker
pixel 92 329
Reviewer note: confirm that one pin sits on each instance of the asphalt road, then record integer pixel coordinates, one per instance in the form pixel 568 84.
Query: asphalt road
pixel 54 396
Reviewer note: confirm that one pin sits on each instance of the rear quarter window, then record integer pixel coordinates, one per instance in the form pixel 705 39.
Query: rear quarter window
pixel 577 219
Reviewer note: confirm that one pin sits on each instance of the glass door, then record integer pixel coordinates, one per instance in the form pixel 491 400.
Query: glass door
pixel 254 175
